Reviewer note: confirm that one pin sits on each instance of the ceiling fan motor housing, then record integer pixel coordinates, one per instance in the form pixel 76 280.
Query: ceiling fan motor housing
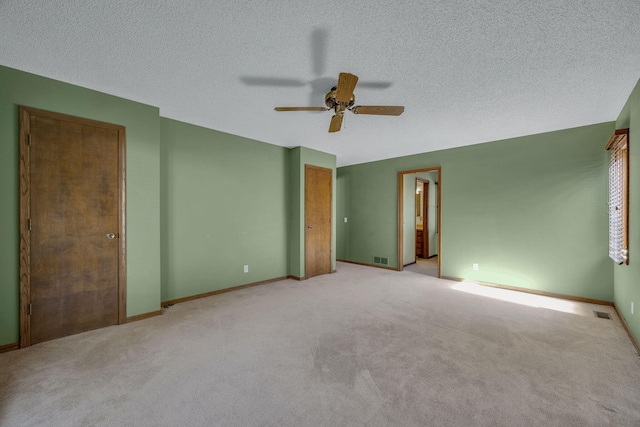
pixel 332 103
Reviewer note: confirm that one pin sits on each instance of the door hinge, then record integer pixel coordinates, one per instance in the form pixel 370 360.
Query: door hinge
pixel 29 224
pixel 29 309
pixel 28 139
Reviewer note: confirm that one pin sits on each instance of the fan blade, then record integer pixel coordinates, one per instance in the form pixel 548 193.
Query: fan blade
pixel 301 109
pixel 336 123
pixel 346 84
pixel 378 110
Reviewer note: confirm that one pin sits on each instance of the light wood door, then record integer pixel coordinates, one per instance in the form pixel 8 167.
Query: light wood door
pixel 317 207
pixel 72 203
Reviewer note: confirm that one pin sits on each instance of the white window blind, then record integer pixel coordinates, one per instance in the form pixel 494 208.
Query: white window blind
pixel 618 196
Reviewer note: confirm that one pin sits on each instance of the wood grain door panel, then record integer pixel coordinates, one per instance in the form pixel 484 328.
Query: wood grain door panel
pixel 318 190
pixel 75 190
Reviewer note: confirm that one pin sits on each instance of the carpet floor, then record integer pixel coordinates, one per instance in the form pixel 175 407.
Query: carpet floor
pixel 428 267
pixel 364 346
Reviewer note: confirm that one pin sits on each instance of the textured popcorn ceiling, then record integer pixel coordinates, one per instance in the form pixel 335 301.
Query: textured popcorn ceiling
pixel 466 71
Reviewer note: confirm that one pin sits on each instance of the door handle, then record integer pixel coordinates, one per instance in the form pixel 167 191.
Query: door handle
pixel 310 227
pixel 110 236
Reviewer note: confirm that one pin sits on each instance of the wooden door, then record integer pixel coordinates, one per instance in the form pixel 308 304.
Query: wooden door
pixel 72 225
pixel 317 207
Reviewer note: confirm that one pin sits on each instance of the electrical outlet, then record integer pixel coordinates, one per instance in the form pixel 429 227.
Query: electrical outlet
pixel 246 268
pixel 475 266
pixel 631 307
pixel 345 219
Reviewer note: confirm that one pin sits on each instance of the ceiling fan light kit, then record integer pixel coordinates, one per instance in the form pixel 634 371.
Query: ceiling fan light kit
pixel 341 98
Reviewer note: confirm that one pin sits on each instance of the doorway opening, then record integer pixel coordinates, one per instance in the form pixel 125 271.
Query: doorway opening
pixel 419 230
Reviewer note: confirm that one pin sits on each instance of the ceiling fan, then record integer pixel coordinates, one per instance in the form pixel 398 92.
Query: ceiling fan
pixel 340 99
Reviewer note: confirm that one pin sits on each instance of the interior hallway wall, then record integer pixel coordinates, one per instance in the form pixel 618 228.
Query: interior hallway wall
pixel 409 218
pixel 433 214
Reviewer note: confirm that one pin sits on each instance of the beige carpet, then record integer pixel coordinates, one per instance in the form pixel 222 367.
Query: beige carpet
pixel 428 267
pixel 364 346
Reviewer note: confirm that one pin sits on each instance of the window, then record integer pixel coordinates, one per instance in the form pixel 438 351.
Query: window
pixel 619 196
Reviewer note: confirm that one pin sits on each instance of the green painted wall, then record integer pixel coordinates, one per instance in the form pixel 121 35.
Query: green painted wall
pixel 299 157
pixel 224 205
pixel 342 210
pixel 370 203
pixel 627 277
pixel 531 211
pixel 143 184
pixel 295 214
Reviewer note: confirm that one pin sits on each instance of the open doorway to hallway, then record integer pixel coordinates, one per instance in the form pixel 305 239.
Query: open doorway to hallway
pixel 428 267
pixel 419 232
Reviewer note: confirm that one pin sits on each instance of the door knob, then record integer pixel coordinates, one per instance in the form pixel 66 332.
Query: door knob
pixel 111 236
pixel 310 227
